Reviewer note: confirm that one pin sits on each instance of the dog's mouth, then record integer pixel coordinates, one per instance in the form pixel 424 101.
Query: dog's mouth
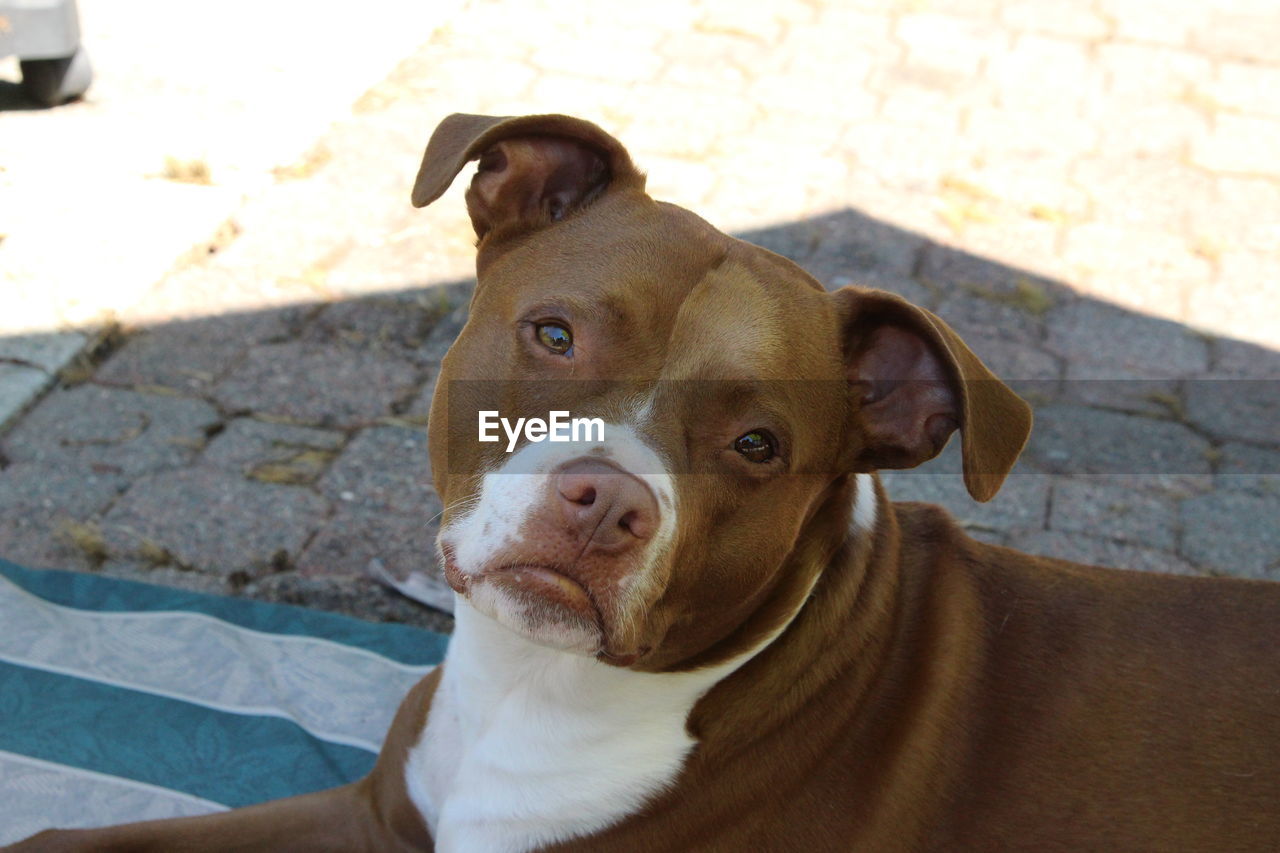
pixel 548 585
pixel 542 601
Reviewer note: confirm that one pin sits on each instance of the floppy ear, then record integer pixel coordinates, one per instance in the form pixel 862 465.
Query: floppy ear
pixel 914 382
pixel 533 169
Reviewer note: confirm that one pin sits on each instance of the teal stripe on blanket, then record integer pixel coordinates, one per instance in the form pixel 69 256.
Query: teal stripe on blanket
pixel 233 759
pixel 90 592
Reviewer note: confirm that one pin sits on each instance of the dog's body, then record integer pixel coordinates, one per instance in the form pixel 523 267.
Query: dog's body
pixel 712 631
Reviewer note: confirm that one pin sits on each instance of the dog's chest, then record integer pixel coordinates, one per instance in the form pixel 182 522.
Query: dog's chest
pixel 525 746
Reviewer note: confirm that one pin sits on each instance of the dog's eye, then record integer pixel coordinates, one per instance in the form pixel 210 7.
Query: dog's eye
pixel 555 337
pixel 756 446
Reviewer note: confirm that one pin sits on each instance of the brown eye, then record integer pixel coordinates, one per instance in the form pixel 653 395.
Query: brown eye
pixel 555 337
pixel 756 446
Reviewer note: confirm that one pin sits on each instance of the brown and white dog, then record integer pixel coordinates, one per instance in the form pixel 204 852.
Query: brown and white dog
pixel 711 630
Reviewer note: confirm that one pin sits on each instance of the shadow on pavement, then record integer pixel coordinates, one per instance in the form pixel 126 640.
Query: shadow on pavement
pixel 275 454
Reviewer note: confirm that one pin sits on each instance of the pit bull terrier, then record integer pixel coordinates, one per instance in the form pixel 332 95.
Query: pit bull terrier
pixel 710 629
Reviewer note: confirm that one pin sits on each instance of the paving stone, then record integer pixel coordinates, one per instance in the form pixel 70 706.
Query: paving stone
pixel 980 309
pixel 1145 269
pixel 1248 468
pixel 1153 71
pixel 799 94
pixel 1078 440
pixel 445 331
pixel 1022 503
pixel 951 43
pixel 899 155
pixel 1109 387
pixel 923 109
pixel 19 386
pixel 1169 23
pixel 273 452
pixel 1017 363
pixel 49 351
pixel 1086 331
pixel 1245 360
pixel 385 468
pixel 1241 31
pixel 1043 73
pixel 356 535
pixel 362 598
pixel 1061 17
pixel 1230 408
pixel 1091 550
pixel 57 489
pixel 111 431
pixel 1097 507
pixel 317 384
pixel 1240 144
pixel 997 132
pixel 1241 299
pixel 856 249
pixel 1248 87
pixel 39 541
pixel 393 325
pixel 135 570
pixel 985 298
pixel 1027 200
pixel 907 86
pixel 1233 533
pixel 1245 216
pixel 1144 191
pixel 1136 125
pixel 191 356
pixel 213 521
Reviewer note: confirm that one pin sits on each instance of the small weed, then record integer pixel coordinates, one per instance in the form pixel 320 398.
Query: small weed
pixel 1172 402
pixel 1026 296
pixel 306 166
pixel 300 469
pixel 154 553
pixel 1208 248
pixel 187 171
pixel 1046 213
pixel 85 536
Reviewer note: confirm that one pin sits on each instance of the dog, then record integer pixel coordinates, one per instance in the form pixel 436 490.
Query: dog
pixel 708 628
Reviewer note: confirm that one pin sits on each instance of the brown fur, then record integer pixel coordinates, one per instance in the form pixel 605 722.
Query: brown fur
pixel 932 692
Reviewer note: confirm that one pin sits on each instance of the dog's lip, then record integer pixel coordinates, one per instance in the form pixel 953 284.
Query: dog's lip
pixel 549 582
pixel 535 577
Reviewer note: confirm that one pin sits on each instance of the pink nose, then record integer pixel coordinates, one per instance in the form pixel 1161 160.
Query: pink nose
pixel 609 508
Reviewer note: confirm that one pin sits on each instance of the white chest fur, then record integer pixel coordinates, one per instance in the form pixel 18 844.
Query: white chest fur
pixel 525 745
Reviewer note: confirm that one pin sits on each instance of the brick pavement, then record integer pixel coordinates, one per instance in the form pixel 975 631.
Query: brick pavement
pixel 1088 192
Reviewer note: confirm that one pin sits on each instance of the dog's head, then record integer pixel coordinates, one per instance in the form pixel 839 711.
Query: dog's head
pixel 737 400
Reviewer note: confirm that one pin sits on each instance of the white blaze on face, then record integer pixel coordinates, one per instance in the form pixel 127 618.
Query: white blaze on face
pixel 508 497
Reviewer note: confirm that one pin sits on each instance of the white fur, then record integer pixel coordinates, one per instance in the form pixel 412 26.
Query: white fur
pixel 527 745
pixel 864 503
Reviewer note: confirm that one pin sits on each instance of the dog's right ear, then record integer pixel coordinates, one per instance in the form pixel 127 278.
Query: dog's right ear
pixel 533 170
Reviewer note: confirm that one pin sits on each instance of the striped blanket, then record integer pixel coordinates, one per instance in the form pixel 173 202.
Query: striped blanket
pixel 123 701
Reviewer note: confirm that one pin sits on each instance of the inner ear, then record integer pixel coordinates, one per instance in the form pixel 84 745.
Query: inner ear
pixel 534 180
pixel 905 398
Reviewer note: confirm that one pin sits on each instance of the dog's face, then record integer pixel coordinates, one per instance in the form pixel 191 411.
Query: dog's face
pixel 733 399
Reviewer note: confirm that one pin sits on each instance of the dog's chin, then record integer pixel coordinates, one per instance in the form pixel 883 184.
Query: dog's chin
pixel 547 620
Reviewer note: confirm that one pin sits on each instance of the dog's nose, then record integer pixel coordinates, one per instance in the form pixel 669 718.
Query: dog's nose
pixel 609 507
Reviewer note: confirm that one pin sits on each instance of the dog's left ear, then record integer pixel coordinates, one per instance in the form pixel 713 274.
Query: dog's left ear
pixel 914 382
pixel 534 170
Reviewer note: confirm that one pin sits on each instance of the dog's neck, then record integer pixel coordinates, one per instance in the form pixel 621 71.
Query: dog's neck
pixel 861 529
pixel 528 745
